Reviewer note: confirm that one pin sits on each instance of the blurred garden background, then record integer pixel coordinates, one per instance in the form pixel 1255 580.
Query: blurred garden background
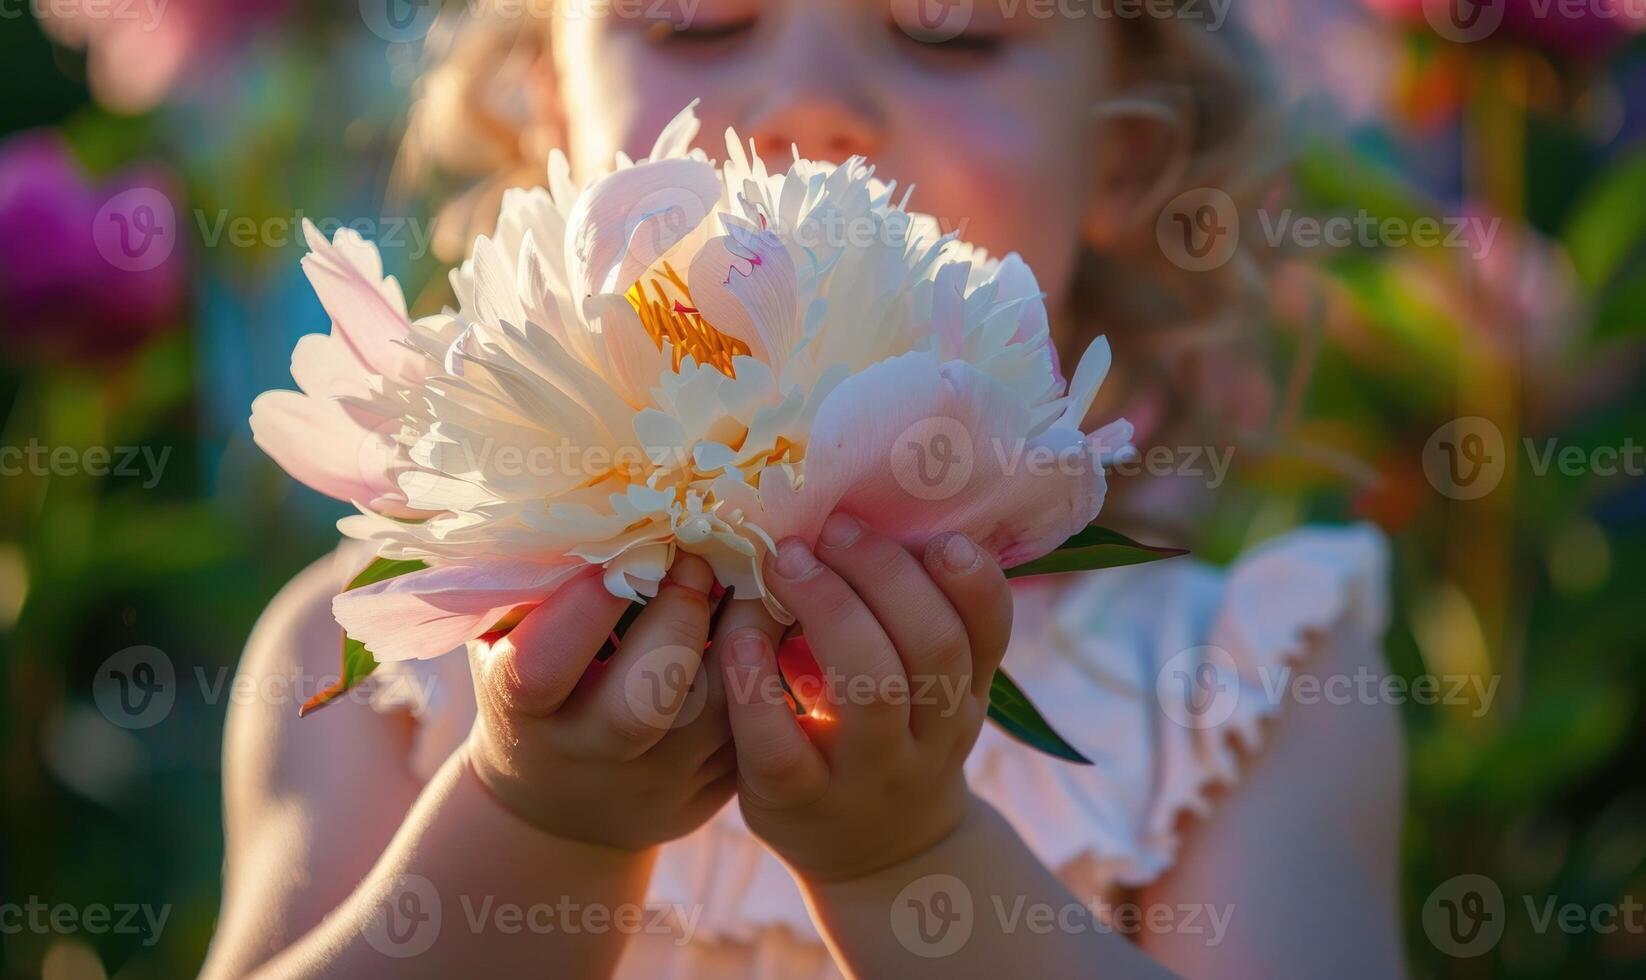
pixel 157 156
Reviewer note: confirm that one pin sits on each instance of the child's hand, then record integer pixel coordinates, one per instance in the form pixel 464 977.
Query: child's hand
pixel 618 754
pixel 873 774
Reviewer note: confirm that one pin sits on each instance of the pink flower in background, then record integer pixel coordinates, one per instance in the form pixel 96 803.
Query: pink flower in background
pixel 138 53
pixel 1344 89
pixel 1575 30
pixel 85 271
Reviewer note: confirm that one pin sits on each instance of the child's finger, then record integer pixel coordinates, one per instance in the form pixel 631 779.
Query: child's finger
pixel 535 668
pixel 776 762
pixel 701 728
pixel 639 695
pixel 739 618
pixel 928 634
pixel 863 680
pixel 978 591
pixel 704 734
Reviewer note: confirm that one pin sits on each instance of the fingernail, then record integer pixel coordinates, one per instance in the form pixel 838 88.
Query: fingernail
pixel 840 530
pixel 750 650
pixel 960 556
pixel 795 561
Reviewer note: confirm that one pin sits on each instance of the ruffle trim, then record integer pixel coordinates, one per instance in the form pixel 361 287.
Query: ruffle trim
pixel 1186 662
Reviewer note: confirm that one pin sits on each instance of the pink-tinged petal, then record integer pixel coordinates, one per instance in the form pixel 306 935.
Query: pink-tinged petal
pixel 323 366
pixel 744 283
pixel 918 447
pixel 434 611
pixel 331 438
pixel 368 310
pixel 623 222
pixel 324 448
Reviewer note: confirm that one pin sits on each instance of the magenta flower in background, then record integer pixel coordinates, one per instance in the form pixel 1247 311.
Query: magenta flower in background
pixel 85 271
pixel 139 53
pixel 1574 30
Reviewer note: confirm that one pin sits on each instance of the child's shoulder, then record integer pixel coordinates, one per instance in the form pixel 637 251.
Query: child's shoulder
pixel 1304 580
pixel 292 654
pixel 1174 677
pixel 296 629
pixel 290 782
pixel 1307 580
pixel 295 646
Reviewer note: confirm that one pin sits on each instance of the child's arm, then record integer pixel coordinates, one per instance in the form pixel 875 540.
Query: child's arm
pixel 435 903
pixel 978 903
pixel 865 797
pixel 534 841
pixel 1302 863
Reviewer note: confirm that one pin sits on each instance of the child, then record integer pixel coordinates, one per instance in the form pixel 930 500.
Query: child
pixel 521 817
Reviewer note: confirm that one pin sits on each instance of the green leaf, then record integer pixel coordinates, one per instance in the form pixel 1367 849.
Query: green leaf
pixel 1012 710
pixel 357 661
pixel 383 569
pixel 1606 241
pixel 1607 227
pixel 1621 310
pixel 1095 547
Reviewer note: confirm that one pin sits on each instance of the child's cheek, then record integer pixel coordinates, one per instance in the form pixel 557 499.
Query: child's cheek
pixel 1000 186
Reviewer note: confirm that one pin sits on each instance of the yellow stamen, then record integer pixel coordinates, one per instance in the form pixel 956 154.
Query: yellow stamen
pixel 780 450
pixel 681 325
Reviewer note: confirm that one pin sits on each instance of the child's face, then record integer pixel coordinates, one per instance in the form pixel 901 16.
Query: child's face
pixel 994 127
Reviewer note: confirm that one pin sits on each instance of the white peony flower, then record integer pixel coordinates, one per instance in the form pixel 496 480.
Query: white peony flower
pixel 679 356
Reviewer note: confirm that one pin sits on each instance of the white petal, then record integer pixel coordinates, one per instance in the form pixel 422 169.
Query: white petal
pixel 1088 378
pixel 626 220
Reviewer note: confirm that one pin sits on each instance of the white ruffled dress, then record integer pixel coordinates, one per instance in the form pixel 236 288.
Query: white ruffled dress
pixel 1158 673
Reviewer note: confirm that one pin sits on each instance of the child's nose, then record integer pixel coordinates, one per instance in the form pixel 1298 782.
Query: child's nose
pixel 822 125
